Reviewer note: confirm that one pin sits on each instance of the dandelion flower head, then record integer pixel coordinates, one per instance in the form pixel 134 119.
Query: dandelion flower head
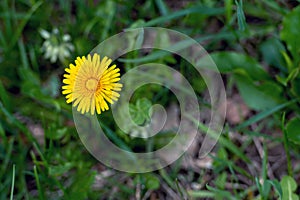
pixel 91 84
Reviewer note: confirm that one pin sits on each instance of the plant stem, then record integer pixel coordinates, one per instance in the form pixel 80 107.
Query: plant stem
pixel 286 147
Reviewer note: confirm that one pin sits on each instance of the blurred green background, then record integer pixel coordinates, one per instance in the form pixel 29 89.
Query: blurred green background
pixel 256 47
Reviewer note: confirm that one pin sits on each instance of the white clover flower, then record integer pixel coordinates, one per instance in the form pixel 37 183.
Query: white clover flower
pixel 56 45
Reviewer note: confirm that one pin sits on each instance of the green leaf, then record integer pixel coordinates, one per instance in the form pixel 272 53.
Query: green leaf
pixel 52 86
pixel 258 97
pixel 56 134
pixel 296 87
pixel 201 194
pixel 5 97
pixel 196 9
pixel 13 182
pixel 228 7
pixel 221 180
pixel 27 75
pixel 277 187
pixel 271 51
pixel 60 169
pixel 162 7
pixel 179 46
pixel 288 60
pixel 292 77
pixel 81 185
pixel 264 114
pixel 240 15
pixel 32 88
pixel 292 129
pixel 222 193
pixel 291 31
pixel 289 186
pixel 140 111
pixel 21 26
pixel 152 181
pixel 136 116
pixel 229 62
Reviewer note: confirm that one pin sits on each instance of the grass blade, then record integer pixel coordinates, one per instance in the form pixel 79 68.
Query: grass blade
pixel 167 178
pixel 40 190
pixel 197 9
pixel 286 147
pixel 13 183
pixel 177 47
pixel 228 7
pixel 240 15
pixel 21 26
pixel 4 97
pixel 264 114
pixel 10 118
pixel 111 135
pixel 162 7
pixel 8 157
pixel 23 54
pixel 201 194
pixel 222 140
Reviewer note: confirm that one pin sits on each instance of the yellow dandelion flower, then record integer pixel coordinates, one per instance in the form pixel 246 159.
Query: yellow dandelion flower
pixel 91 83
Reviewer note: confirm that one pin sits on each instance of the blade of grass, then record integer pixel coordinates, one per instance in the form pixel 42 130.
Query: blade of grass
pixel 2 133
pixel 111 135
pixel 231 165
pixel 179 188
pixel 10 118
pixel 167 178
pixel 7 14
pixel 3 42
pixel 240 15
pixel 7 158
pixel 221 139
pixel 20 27
pixel 33 60
pixel 163 9
pixel 177 47
pixel 4 97
pixel 44 161
pixel 40 189
pixel 13 183
pixel 7 21
pixel 23 54
pixel 263 135
pixel 201 194
pixel 286 146
pixel 276 7
pixel 197 9
pixel 228 8
pixel 111 6
pixel 263 115
pixel 258 185
pixel 221 193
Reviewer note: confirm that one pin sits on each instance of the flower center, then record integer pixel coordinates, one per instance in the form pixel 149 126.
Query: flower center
pixel 91 84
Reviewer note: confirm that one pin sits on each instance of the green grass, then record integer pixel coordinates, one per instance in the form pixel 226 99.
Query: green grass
pixel 255 45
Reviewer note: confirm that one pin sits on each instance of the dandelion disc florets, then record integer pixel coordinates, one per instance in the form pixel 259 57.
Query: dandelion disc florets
pixel 91 83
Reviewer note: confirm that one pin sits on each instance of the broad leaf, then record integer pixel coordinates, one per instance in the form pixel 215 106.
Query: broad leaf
pixel 140 111
pixel 229 62
pixel 152 181
pixel 291 31
pixel 289 186
pixel 258 97
pixel 271 51
pixel 292 129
